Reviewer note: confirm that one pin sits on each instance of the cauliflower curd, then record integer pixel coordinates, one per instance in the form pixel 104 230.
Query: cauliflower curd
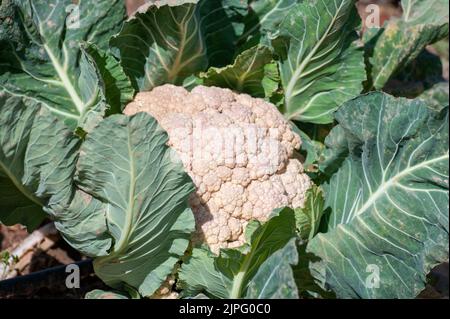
pixel 239 152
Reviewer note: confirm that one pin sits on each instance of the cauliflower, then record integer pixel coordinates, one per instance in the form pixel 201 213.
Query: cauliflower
pixel 239 152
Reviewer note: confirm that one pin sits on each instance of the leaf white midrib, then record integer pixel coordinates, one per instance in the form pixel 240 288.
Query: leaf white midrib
pixel 62 74
pixel 60 70
pixel 23 66
pixel 44 103
pixel 243 76
pixel 383 188
pixel 238 280
pixel 122 243
pixel 308 106
pixel 298 72
pixel 176 65
pixel 179 64
pixel 407 11
pixel 126 232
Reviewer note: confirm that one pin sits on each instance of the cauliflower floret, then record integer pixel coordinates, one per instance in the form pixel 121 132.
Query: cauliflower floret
pixel 239 152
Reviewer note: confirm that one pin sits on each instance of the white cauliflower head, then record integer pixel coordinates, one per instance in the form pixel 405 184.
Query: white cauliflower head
pixel 239 152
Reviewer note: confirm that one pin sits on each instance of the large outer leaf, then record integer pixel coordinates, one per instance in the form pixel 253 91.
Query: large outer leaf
pixel 175 39
pixel 126 164
pixel 261 270
pixel 44 61
pixel 321 66
pixel 402 40
pixel 35 155
pixel 253 72
pixel 389 199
